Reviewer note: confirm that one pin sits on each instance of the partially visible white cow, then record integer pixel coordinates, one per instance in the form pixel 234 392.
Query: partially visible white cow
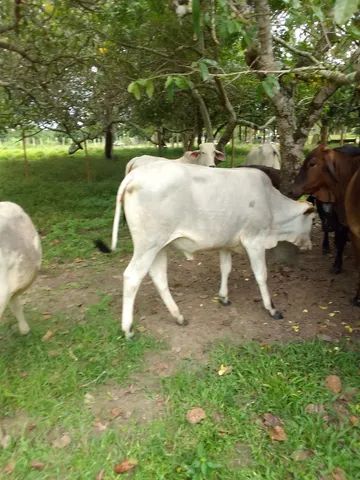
pixel 267 154
pixel 20 259
pixel 207 155
pixel 196 209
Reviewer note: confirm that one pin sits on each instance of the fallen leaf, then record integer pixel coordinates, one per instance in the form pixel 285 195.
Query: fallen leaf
pixel 46 315
pixel 317 408
pixel 270 420
pixel 195 415
pixel 4 438
pixel 88 398
pixel 333 383
pixel 9 468
pixel 348 394
pixel 224 369
pixel 348 328
pixel 305 310
pixel 116 412
pixel 62 441
pixel 100 475
pixel 36 465
pixel 323 307
pixel 99 426
pixel 277 433
pixel 49 334
pixel 72 355
pixel 338 474
pixel 354 420
pixel 296 328
pixel 300 455
pixel 125 466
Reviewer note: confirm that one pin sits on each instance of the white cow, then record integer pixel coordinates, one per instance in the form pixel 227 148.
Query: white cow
pixel 20 259
pixel 206 156
pixel 267 154
pixel 196 209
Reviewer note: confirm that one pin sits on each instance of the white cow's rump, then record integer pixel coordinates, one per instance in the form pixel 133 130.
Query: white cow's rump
pixel 207 155
pixel 267 154
pixel 20 259
pixel 196 209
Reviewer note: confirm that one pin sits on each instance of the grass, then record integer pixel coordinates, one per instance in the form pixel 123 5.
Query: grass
pixel 47 384
pixel 69 211
pixel 229 444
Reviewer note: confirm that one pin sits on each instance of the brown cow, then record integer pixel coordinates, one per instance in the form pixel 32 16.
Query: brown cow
pixel 336 172
pixel 352 209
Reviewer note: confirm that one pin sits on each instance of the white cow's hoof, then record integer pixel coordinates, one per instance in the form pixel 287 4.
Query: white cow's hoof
pixel 24 329
pixel 224 301
pixel 129 335
pixel 181 321
pixel 277 315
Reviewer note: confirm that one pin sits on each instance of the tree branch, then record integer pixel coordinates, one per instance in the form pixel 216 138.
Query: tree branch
pixel 204 114
pixel 232 118
pixel 297 51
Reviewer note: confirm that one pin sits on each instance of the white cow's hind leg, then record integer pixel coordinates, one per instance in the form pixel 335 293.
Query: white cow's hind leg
pixel 17 309
pixel 158 273
pixel 258 265
pixel 133 276
pixel 4 297
pixel 225 269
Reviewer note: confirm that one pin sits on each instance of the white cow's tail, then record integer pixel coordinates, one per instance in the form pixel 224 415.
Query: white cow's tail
pixel 117 216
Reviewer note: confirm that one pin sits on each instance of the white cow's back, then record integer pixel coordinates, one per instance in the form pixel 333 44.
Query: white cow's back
pixel 267 154
pixel 212 208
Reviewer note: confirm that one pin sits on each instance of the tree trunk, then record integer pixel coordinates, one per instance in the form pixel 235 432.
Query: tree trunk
pixel 324 133
pixel 109 139
pixel 26 162
pixel 87 163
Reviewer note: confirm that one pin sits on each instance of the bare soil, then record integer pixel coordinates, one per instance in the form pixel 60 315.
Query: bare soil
pixel 315 303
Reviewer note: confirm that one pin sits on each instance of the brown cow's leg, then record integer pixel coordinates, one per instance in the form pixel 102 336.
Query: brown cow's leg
pixel 356 243
pixel 341 236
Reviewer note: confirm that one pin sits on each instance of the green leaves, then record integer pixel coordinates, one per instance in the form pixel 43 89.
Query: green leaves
pixel 344 9
pixel 271 85
pixel 134 88
pixel 137 86
pixel 204 71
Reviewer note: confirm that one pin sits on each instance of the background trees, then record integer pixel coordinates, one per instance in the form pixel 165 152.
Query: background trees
pixel 180 67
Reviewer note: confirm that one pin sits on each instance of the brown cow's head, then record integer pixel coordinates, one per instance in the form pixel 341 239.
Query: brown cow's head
pixel 317 173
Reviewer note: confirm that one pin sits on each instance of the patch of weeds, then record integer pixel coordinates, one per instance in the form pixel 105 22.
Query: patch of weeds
pixel 281 380
pixel 47 384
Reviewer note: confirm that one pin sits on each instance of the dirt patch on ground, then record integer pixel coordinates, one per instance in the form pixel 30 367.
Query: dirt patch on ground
pixel 315 303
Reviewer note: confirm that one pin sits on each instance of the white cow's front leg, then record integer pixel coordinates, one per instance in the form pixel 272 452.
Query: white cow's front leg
pixel 17 309
pixel 225 269
pixel 258 265
pixel 132 278
pixel 158 273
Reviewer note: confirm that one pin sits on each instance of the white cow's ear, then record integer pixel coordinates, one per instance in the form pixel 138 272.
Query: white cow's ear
pixel 220 156
pixel 195 154
pixel 309 210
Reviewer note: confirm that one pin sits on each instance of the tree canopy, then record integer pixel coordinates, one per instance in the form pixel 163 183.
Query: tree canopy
pixel 83 66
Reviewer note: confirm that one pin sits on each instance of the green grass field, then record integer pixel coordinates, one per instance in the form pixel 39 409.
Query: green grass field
pixel 46 388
